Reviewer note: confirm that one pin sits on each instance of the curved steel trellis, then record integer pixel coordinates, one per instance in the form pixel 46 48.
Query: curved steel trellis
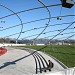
pixel 48 21
pixel 35 21
pixel 60 31
pixel 16 15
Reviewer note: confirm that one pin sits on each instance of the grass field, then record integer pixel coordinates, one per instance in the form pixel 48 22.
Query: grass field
pixel 64 53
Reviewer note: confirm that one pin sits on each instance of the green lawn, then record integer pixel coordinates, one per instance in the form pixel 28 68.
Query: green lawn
pixel 64 53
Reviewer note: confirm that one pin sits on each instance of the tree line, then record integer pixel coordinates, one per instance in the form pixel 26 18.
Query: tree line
pixel 40 41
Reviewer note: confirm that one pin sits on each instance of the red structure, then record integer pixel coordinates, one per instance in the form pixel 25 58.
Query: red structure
pixel 3 51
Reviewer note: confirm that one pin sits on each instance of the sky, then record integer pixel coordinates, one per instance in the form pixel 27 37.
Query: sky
pixel 32 15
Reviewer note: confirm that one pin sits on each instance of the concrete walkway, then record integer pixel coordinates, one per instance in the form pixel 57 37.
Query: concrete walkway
pixel 18 62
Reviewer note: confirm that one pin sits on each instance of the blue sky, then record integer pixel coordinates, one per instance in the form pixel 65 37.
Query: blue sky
pixel 19 5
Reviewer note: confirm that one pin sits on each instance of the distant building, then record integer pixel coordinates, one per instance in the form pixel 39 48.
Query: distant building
pixel 40 44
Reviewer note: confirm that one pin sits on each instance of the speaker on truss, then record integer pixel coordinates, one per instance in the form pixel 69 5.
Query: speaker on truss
pixel 59 18
pixel 67 3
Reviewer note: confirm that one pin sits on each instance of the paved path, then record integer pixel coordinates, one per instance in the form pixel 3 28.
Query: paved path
pixel 17 62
